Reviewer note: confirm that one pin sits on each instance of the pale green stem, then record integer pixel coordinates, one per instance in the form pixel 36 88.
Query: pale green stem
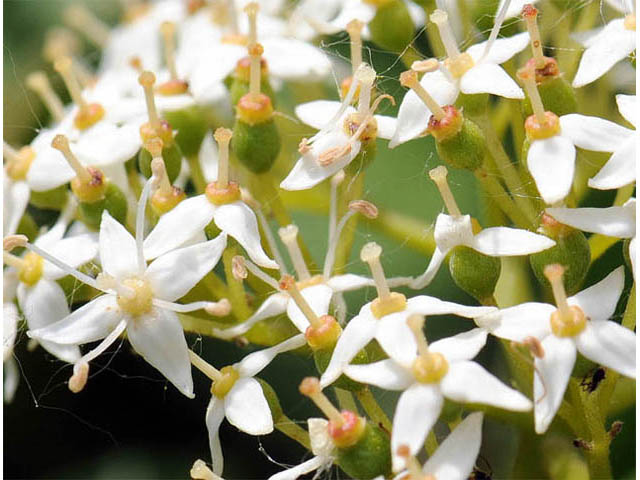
pixel 346 400
pixel 374 411
pixel 292 430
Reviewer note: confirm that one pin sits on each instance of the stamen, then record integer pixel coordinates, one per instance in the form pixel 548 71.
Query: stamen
pixel 253 268
pixel 410 79
pixel 252 12
pixel 147 79
pixel 168 30
pixel 354 29
pixel 416 323
pixel 12 260
pixel 84 20
pixel 441 19
pixel 140 217
pixel 14 241
pixel 333 204
pixel 135 62
pixel 289 236
pixel 39 83
pixel 554 273
pixel 411 462
pixel 221 308
pixel 239 268
pixel 64 66
pixel 370 254
pixel 439 176
pixel 255 54
pixel 497 25
pixel 366 76
pixel 79 378
pixel 288 284
pixel 61 143
pixel 534 345
pixel 528 77
pixel 205 367
pixel 310 387
pixel 530 14
pixel 212 308
pixel 223 137
pixel 159 171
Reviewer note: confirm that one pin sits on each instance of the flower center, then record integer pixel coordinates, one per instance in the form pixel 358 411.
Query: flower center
pixel 566 321
pixel 539 131
pixel 541 124
pixel 428 367
pixel 138 298
pixel 31 270
pixel 353 122
pixel 387 302
pixel 221 387
pixel 457 63
pixel 630 22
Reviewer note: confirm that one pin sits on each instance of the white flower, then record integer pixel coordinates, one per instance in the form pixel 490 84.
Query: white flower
pixel 620 169
pixel 241 399
pixel 10 318
pixel 614 42
pixel 611 221
pixel 137 298
pixel 585 328
pixel 322 448
pixel 477 70
pixel 428 375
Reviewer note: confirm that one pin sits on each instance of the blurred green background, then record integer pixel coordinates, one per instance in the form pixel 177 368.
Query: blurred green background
pixel 129 422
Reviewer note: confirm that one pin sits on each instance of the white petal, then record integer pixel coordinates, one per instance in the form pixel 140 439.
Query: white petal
pixel 502 49
pixel 318 113
pixel 239 221
pixel 490 78
pixel 450 231
pixel 253 363
pixel 469 382
pixel 413 115
pixel 358 332
pixel 296 472
pixel 434 265
pixel 178 225
pixel 554 369
pixel 89 323
pixel 318 297
pixel 517 323
pixel 462 346
pixel 611 345
pixel 321 442
pixel 385 374
pixel 106 144
pixel 348 282
pixel 11 379
pixel 593 133
pixel 159 338
pixel 213 419
pixel 627 108
pixel 292 59
pixel 386 126
pixel 208 158
pixel 632 256
pixel 611 221
pixel 74 251
pixel 9 328
pixel 620 169
pixel 612 45
pixel 599 301
pixel 504 241
pixel 417 411
pixel 396 338
pixel 173 274
pixel 455 457
pixel 15 200
pixel 45 304
pixel 247 409
pixel 48 170
pixel 274 305
pixel 118 254
pixel 426 305
pixel 552 162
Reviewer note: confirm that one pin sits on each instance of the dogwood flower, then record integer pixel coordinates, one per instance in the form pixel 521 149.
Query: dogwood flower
pixel 620 169
pixel 477 70
pixel 222 204
pixel 552 153
pixel 322 448
pixel 426 374
pixel 454 458
pixel 238 396
pixel 613 43
pixel 456 229
pixel 611 221
pixel 579 323
pixel 385 320
pixel 342 131
pixel 137 298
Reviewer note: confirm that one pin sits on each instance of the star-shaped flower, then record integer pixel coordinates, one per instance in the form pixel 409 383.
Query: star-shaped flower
pixel 579 323
pixel 613 43
pixel 456 229
pixel 427 374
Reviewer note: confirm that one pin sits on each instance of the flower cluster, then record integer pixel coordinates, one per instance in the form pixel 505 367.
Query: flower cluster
pixel 171 169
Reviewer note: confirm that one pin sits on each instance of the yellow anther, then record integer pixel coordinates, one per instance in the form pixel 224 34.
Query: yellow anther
pixel 31 270
pixel 539 131
pixel 223 196
pixel 459 65
pixel 229 376
pixel 430 368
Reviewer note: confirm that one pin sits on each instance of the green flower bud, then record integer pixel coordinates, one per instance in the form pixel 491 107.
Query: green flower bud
pixel 392 27
pixel 571 251
pixel 558 96
pixel 172 157
pixel 114 202
pixel 192 127
pixel 475 273
pixel 53 199
pixel 369 457
pixel 459 141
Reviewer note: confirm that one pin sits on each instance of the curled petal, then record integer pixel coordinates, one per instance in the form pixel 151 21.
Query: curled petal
pixel 253 363
pixel 552 162
pixel 385 374
pixel 611 221
pixel 599 301
pixel 610 345
pixel 620 168
pixel 503 241
pixel 274 305
pixel 463 346
pixel 517 323
pixel 247 409
pixel 627 107
pixel 348 282
pixel 490 78
pixel 15 200
pixel 319 113
pixel 593 133
pixel 503 48
pixel 213 419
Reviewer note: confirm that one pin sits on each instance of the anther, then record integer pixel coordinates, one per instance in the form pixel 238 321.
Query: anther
pixel 82 19
pixel 147 79
pixel 200 471
pixel 289 236
pixel 79 378
pixel 18 161
pixel 409 79
pixel 14 241
pixel 527 76
pixel 535 346
pixel 221 308
pixel 205 367
pixel 223 136
pixel 60 42
pixel 441 19
pixel 439 176
pixel 310 387
pixel 367 209
pixel 88 113
pixel 239 268
pixel 252 10
pixel 288 284
pixel 39 83
pixel 530 14
pixel 135 62
pixel 354 29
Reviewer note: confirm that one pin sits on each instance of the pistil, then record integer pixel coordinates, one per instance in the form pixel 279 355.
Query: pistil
pixel 568 320
pixel 168 30
pixel 310 387
pixel 255 54
pixel 441 19
pixel 428 367
pixel 252 10
pixel 289 236
pixel 528 77
pixel 439 176
pixel 166 196
pixel 88 113
pixel 205 367
pixel 413 465
pixel 387 302
pixel 39 83
pixel 288 284
pixel 223 136
pixel 82 19
pixel 366 77
pixel 410 79
pixel 147 79
pixel 530 14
